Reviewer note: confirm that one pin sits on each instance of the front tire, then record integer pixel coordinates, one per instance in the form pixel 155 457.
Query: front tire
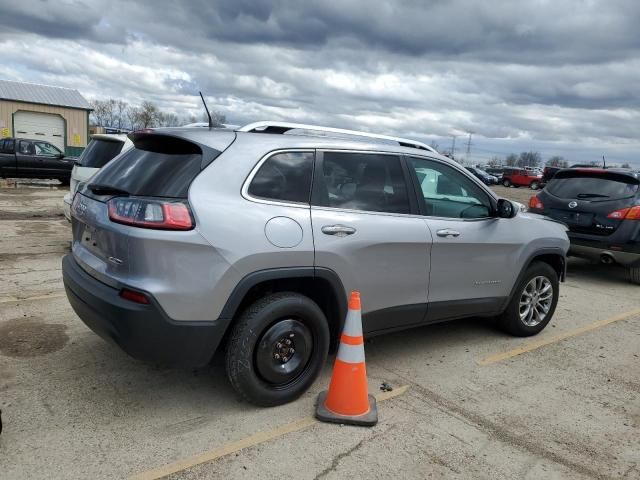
pixel 534 186
pixel 506 183
pixel 533 303
pixel 277 349
pixel 634 275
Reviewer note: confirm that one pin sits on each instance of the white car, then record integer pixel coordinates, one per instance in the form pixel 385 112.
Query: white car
pixel 100 151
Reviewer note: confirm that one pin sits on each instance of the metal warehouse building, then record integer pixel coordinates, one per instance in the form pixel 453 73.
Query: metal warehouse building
pixel 55 114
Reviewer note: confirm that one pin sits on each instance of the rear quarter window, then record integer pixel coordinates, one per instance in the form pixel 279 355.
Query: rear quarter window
pixel 99 152
pixel 284 177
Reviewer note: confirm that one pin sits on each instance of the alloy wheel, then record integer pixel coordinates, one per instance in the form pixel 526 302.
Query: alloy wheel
pixel 535 301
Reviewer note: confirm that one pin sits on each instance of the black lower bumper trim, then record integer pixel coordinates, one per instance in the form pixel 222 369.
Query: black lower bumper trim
pixel 143 331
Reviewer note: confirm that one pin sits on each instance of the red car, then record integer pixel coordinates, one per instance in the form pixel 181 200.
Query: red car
pixel 519 177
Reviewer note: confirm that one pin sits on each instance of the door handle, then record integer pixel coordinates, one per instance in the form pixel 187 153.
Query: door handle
pixel 447 232
pixel 338 230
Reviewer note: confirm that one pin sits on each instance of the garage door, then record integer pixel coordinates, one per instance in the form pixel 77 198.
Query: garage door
pixel 40 126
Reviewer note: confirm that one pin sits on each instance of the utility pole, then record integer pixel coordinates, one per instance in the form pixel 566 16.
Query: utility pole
pixel 469 146
pixel 453 146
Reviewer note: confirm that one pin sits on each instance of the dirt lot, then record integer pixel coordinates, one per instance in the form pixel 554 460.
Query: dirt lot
pixel 479 404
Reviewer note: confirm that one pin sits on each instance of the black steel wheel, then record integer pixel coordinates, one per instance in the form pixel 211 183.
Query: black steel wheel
pixel 277 348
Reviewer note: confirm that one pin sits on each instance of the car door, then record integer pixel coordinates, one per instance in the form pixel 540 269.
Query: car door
pixel 367 230
pixel 25 159
pixel 470 256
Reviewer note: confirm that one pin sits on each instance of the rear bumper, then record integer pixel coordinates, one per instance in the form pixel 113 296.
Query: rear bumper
pixel 626 259
pixel 143 331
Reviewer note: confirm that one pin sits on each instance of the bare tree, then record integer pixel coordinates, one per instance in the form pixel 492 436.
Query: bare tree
pixel 625 165
pixel 133 118
pixel 495 162
pixel 511 160
pixel 118 114
pixel 529 159
pixel 557 161
pixel 121 111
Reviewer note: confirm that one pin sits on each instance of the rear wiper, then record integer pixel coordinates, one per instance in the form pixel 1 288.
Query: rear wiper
pixel 591 195
pixel 99 189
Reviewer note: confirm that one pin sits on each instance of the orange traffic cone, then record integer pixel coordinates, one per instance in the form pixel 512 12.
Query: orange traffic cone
pixel 347 400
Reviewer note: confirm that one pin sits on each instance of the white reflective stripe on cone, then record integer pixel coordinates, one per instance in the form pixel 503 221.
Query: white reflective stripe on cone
pixel 353 324
pixel 351 353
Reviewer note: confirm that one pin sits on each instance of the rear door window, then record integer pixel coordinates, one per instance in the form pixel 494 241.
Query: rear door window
pixel 26 147
pixel 158 166
pixel 284 177
pixel 362 181
pixel 99 152
pixel 592 186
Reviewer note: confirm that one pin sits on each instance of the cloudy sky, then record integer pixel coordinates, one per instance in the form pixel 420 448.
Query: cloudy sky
pixel 560 77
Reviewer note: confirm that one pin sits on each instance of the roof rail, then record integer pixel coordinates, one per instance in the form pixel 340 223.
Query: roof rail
pixel 283 127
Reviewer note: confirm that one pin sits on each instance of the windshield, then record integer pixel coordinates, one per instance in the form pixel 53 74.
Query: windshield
pixel 99 152
pixel 590 186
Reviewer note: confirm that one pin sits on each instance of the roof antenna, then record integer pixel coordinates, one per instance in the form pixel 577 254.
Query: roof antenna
pixel 604 163
pixel 205 107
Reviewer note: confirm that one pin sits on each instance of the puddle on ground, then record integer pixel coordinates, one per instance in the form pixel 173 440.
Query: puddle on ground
pixel 31 337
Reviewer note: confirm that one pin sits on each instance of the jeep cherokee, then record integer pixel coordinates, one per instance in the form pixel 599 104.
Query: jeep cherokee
pixel 247 240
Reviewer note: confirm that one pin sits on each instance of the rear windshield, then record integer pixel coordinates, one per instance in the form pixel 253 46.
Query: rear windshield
pixel 100 152
pixel 158 166
pixel 594 186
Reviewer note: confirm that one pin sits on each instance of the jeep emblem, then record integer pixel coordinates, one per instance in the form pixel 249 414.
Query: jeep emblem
pixel 573 204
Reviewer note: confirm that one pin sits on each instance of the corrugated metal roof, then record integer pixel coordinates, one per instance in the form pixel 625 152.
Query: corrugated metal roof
pixel 44 94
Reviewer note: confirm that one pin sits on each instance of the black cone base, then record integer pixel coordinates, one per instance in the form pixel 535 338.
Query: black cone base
pixel 369 419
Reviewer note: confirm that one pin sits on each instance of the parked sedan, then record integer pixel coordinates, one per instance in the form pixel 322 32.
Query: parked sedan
pixel 483 176
pixel 601 208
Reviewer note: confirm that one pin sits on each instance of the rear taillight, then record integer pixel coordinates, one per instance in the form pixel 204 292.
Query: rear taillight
pixel 151 213
pixel 629 213
pixel 535 203
pixel 134 296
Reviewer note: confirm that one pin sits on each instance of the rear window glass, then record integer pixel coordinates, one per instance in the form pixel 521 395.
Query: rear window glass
pixel 284 177
pixel 100 152
pixel 592 186
pixel 159 166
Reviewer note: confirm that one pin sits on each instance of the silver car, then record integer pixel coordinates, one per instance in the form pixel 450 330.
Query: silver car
pixel 248 241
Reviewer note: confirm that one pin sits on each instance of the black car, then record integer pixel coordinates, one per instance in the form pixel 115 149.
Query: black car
pixel 483 176
pixel 25 158
pixel 602 210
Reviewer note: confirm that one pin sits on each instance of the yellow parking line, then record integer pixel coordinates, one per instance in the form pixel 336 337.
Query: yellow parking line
pixel 250 441
pixel 498 357
pixel 28 299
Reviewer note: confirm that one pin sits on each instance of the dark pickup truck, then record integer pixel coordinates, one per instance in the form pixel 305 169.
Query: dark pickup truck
pixel 22 158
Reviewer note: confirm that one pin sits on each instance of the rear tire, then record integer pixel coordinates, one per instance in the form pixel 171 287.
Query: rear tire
pixel 277 349
pixel 506 182
pixel 634 275
pixel 530 310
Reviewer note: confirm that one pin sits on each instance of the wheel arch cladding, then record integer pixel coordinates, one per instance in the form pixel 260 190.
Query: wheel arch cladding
pixel 321 285
pixel 554 257
pixel 556 260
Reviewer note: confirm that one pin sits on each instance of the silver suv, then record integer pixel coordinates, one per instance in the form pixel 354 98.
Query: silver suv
pixel 248 241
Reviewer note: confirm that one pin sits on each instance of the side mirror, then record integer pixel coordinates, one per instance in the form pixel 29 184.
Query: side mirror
pixel 506 209
pixel 60 155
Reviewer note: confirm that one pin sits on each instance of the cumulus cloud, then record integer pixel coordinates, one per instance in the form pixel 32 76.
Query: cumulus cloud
pixel 557 75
